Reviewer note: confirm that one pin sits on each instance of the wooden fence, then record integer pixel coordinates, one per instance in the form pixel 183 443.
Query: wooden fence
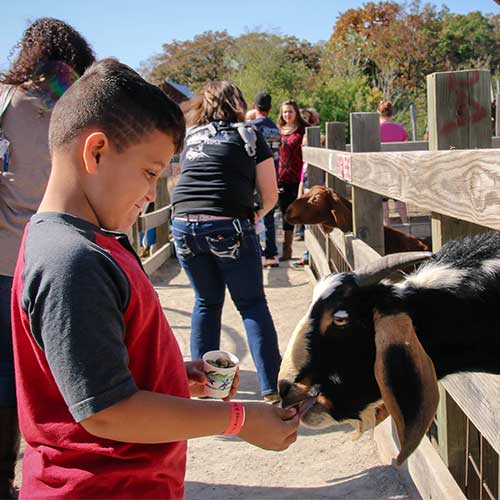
pixel 456 177
pixel 159 220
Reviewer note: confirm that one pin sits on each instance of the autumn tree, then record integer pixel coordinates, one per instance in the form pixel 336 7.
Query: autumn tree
pixel 191 62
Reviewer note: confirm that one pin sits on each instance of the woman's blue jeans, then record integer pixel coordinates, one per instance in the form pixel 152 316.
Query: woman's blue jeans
pixel 224 253
pixel 7 380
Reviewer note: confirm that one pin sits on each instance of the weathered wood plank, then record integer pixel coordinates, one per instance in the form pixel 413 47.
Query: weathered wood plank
pixel 414 145
pixel 154 219
pixel 405 146
pixel 335 139
pixel 162 200
pixel 355 251
pixel 316 253
pixel 424 469
pixel 461 184
pixel 367 209
pixel 478 395
pixel 313 139
pixel 151 264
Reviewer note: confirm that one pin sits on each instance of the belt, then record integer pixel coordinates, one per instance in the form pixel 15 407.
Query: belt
pixel 200 217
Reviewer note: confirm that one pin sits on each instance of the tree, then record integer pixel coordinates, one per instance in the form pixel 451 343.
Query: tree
pixel 191 62
pixel 470 38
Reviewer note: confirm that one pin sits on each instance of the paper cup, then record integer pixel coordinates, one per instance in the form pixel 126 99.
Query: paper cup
pixel 220 379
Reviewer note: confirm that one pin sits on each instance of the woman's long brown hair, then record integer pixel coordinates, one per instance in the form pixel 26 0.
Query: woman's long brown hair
pixel 218 100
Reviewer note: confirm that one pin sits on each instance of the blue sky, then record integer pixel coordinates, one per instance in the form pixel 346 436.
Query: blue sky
pixel 133 30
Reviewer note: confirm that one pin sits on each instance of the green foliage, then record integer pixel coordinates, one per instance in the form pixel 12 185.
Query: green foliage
pixel 468 38
pixel 380 50
pixel 191 62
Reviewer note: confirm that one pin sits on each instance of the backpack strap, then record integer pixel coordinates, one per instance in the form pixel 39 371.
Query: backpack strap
pixel 5 98
pixel 249 136
pixel 247 133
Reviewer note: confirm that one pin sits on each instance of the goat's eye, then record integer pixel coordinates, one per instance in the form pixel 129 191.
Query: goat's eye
pixel 341 318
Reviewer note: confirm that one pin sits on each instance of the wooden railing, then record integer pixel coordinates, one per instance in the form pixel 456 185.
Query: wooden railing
pixel 159 220
pixel 461 188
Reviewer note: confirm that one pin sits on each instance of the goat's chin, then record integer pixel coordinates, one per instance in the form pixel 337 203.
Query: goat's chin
pixel 318 418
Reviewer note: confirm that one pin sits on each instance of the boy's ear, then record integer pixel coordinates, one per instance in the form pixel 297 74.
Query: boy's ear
pixel 96 144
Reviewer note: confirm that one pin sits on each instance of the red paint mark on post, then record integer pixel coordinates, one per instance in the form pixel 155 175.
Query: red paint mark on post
pixel 344 166
pixel 465 104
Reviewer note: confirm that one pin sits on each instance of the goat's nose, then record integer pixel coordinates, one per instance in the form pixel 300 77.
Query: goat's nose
pixel 284 388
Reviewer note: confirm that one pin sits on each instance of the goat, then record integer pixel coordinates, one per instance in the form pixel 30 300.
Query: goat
pixel 321 205
pixel 369 347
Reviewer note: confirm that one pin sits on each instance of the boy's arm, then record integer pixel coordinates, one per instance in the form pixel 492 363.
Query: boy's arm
pixel 149 417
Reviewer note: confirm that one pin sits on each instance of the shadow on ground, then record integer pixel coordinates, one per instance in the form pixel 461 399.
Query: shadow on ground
pixel 358 486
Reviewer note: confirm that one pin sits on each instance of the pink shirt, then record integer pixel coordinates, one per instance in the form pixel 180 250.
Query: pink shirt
pixel 392 132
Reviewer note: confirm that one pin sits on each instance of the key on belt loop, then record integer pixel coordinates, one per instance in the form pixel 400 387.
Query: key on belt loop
pixel 237 227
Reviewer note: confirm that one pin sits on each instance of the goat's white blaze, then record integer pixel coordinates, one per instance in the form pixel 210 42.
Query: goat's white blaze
pixel 491 266
pixel 435 276
pixel 297 352
pixel 326 286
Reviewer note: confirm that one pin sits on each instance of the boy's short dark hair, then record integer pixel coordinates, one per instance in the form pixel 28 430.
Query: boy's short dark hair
pixel 112 97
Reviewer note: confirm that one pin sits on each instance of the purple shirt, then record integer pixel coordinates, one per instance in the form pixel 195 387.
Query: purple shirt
pixel 392 132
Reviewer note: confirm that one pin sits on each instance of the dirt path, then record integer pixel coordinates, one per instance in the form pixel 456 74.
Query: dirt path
pixel 320 465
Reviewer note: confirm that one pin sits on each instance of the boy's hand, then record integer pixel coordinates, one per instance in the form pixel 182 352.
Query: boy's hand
pixel 270 427
pixel 197 379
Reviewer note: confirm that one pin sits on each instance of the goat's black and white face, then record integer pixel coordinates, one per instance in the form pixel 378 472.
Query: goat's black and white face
pixel 355 357
pixel 332 352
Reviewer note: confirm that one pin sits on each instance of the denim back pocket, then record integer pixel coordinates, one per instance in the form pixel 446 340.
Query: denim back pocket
pixel 182 248
pixel 225 248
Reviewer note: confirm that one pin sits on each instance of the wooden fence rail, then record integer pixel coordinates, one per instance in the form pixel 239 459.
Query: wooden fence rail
pixel 159 220
pixel 461 187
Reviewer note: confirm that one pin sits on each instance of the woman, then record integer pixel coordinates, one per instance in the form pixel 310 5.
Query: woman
pixel 392 132
pixel 51 55
pixel 292 128
pixel 213 224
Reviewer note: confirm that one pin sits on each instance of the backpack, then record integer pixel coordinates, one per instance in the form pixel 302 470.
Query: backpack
pixel 245 131
pixel 5 98
pixel 271 136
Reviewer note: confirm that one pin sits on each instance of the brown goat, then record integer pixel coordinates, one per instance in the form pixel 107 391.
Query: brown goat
pixel 321 205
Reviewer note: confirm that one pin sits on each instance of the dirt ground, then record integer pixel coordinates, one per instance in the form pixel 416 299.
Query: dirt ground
pixel 325 464
pixel 321 464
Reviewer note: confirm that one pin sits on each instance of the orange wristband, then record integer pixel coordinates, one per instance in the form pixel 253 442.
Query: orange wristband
pixel 237 419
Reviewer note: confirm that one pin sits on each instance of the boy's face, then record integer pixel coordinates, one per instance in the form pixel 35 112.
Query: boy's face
pixel 126 181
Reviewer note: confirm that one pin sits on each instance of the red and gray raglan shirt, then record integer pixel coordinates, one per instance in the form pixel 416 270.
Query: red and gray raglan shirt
pixel 89 331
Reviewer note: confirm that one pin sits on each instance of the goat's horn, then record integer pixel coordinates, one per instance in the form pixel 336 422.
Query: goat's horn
pixel 374 272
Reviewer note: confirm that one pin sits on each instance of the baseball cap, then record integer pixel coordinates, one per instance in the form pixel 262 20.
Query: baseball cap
pixel 263 101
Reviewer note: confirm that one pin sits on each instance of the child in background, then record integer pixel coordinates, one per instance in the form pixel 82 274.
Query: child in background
pixel 392 132
pixel 103 392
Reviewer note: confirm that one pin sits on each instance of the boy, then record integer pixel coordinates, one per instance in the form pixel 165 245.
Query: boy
pixel 103 392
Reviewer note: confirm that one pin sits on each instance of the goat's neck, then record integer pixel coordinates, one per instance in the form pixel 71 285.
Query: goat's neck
pixel 458 334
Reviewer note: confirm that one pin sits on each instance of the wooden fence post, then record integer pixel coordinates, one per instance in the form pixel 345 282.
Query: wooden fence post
pixel 162 200
pixel 497 110
pixel 368 214
pixel 413 119
pixel 459 111
pixel 314 175
pixel 335 139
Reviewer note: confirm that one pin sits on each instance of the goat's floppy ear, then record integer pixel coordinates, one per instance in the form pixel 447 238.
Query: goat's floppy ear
pixel 406 378
pixel 328 227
